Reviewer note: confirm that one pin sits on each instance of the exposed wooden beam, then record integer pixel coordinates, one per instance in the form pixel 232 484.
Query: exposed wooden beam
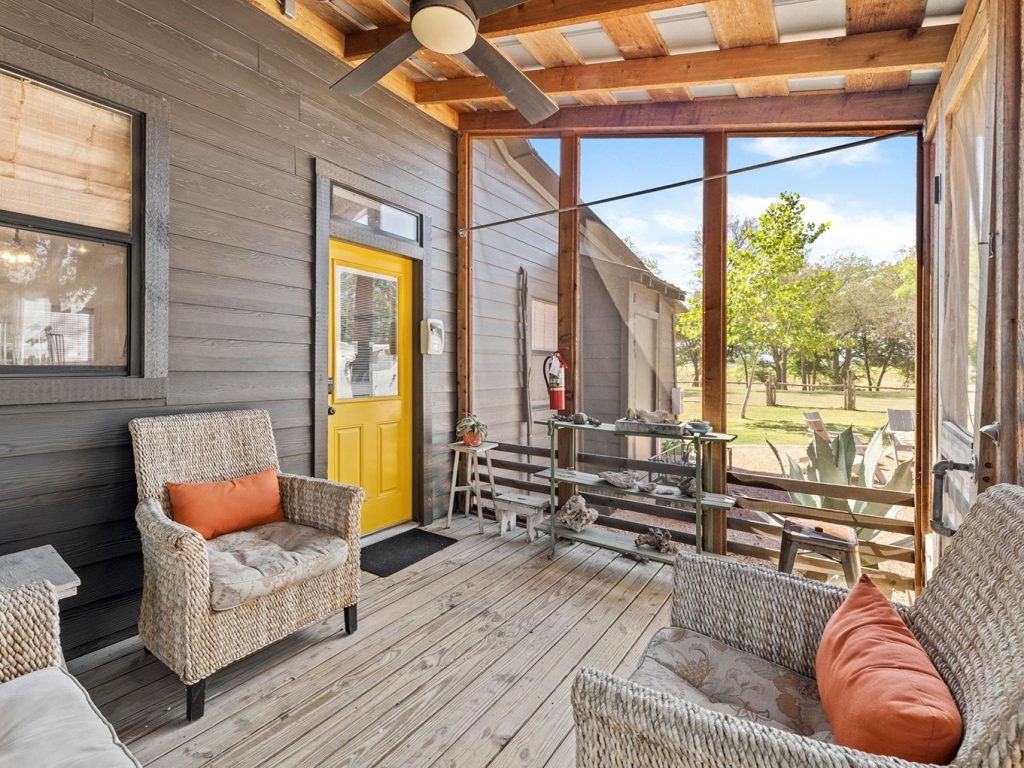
pixel 875 16
pixel 550 48
pixel 798 112
pixel 741 23
pixel 874 51
pixel 531 16
pixel 313 26
pixel 637 37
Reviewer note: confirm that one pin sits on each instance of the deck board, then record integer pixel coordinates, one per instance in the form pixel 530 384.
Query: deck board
pixel 464 659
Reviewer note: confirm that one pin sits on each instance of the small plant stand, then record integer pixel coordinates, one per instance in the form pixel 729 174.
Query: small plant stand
pixel 702 501
pixel 473 484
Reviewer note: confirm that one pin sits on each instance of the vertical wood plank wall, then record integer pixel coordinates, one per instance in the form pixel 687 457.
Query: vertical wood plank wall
pixel 250 106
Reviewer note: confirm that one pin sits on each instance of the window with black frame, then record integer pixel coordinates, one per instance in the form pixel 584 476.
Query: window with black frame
pixel 69 231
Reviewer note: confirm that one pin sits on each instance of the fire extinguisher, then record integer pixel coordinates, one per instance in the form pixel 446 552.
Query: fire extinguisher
pixel 554 378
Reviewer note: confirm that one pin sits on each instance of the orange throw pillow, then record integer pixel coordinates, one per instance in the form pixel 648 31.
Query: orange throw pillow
pixel 879 689
pixel 214 509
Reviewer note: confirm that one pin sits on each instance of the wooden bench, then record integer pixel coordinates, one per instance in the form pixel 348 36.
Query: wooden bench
pixel 508 505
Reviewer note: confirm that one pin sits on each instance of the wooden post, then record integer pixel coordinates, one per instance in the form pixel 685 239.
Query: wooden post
pixel 1008 26
pixel 924 385
pixel 715 238
pixel 569 284
pixel 464 283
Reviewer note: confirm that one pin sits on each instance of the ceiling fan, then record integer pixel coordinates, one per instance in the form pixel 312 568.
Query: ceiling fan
pixel 451 27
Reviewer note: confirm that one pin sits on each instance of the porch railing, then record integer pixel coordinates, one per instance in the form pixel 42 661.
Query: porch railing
pixel 515 465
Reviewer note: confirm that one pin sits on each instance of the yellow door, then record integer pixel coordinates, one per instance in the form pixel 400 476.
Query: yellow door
pixel 370 403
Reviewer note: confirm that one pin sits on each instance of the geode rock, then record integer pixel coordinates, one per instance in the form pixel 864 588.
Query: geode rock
pixel 649 487
pixel 688 486
pixel 655 417
pixel 625 480
pixel 576 514
pixel 657 538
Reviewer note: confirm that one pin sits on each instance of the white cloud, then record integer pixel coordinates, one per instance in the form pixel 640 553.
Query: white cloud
pixel 778 147
pixel 874 233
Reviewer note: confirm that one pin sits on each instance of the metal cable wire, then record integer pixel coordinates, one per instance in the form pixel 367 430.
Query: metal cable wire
pixel 462 232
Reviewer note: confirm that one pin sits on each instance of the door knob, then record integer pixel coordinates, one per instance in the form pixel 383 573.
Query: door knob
pixel 330 410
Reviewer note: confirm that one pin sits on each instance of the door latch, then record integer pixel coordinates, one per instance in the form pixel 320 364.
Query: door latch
pixel 938 486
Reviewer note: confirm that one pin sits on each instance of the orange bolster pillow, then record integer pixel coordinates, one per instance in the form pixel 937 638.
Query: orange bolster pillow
pixel 879 689
pixel 214 509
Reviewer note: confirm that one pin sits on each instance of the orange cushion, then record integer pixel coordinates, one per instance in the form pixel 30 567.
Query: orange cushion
pixel 879 689
pixel 214 509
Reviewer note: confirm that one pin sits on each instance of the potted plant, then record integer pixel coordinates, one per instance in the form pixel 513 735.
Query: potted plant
pixel 471 429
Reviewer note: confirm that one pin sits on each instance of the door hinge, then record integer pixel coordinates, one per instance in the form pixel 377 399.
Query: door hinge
pixel 938 189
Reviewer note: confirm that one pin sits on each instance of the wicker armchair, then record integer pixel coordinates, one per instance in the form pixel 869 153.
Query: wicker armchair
pixel 177 622
pixel 970 620
pixel 48 718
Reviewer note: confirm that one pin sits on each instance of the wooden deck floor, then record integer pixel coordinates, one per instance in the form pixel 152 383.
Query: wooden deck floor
pixel 464 659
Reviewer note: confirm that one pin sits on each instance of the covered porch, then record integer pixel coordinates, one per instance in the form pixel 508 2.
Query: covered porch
pixel 219 261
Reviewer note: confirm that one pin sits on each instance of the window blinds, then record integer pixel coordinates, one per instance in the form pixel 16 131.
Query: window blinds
pixel 63 157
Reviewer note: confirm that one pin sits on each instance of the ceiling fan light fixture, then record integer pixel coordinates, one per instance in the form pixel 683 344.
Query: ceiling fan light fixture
pixel 444 28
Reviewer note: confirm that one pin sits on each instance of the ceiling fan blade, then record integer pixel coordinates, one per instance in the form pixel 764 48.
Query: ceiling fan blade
pixel 531 101
pixel 363 77
pixel 487 7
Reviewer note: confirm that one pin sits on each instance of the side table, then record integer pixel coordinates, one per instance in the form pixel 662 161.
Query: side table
pixel 38 564
pixel 472 454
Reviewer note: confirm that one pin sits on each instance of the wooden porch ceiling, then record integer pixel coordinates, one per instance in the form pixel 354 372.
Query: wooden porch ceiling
pixel 605 55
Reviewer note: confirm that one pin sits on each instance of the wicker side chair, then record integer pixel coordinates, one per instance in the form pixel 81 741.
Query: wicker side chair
pixel 178 623
pixel 970 620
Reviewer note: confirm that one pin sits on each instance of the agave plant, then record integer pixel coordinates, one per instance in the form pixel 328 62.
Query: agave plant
pixel 834 463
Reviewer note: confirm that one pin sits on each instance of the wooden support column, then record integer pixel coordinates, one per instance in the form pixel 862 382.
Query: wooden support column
pixel 464 289
pixel 715 238
pixel 464 278
pixel 1008 26
pixel 569 283
pixel 925 384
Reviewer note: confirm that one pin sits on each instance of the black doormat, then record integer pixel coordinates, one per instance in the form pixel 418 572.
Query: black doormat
pixel 393 554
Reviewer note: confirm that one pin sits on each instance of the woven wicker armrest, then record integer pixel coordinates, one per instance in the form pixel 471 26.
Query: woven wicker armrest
pixel 174 551
pixel 772 615
pixel 324 504
pixel 620 723
pixel 29 630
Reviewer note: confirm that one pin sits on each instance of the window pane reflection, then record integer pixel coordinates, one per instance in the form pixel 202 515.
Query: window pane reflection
pixel 63 301
pixel 366 339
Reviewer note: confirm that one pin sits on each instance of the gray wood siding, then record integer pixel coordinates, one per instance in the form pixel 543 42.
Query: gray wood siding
pixel 249 110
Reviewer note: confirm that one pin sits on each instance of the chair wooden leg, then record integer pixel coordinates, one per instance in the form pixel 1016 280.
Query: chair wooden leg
pixel 350 619
pixel 851 567
pixel 195 700
pixel 787 555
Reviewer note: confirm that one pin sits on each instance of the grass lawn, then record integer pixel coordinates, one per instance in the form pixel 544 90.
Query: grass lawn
pixel 784 424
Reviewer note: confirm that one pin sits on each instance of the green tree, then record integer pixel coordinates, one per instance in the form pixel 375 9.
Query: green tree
pixel 873 316
pixel 773 296
pixel 690 335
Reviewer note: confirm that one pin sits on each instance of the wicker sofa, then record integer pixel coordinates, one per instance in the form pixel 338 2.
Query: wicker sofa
pixel 970 620
pixel 47 717
pixel 206 604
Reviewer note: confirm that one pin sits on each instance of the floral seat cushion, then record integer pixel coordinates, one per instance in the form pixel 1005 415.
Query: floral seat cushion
pixel 716 676
pixel 260 561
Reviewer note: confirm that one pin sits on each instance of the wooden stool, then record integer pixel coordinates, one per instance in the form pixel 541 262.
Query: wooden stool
pixel 472 454
pixel 508 505
pixel 838 542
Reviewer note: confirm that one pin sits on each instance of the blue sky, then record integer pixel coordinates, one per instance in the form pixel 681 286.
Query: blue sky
pixel 867 193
